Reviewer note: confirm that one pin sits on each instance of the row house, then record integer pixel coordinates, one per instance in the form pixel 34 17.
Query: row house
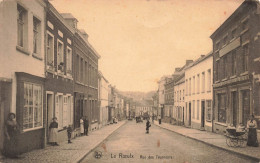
pixel 22 70
pixel 236 58
pixel 198 94
pixel 59 78
pixel 103 99
pixel 161 95
pixel 111 103
pixel 169 95
pixel 85 74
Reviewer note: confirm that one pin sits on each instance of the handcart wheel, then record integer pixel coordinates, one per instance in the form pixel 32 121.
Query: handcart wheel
pixel 228 141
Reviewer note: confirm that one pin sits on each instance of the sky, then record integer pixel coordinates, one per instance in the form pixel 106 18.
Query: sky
pixel 140 41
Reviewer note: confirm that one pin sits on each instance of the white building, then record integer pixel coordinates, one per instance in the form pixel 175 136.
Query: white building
pixel 22 70
pixel 103 91
pixel 179 103
pixel 198 94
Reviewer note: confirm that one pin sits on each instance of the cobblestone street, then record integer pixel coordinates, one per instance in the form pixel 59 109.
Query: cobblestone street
pixel 131 144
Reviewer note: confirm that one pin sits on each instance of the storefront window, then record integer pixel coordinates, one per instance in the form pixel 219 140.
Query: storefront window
pixel 222 108
pixel 32 112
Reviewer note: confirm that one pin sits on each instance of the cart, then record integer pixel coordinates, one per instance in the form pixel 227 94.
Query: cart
pixel 236 139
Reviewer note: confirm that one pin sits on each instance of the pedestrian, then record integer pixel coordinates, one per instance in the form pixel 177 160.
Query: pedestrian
pixel 81 126
pixel 53 132
pixel 10 141
pixel 69 132
pixel 159 117
pixel 86 124
pixel 252 133
pixel 148 125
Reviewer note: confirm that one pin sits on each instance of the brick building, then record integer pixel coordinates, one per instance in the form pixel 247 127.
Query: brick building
pixel 236 67
pixel 59 78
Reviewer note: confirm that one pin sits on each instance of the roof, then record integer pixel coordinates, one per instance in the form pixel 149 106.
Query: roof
pixel 200 59
pixel 245 6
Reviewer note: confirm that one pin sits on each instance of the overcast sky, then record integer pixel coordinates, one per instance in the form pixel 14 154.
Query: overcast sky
pixel 141 40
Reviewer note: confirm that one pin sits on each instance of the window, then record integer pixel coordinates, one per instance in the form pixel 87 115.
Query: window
pixel 21 24
pixel 203 82
pixel 193 109
pixel 208 110
pixel 225 66
pixel 186 84
pixel 190 86
pixel 222 108
pixel 193 89
pixel 217 70
pixel 234 63
pixel 233 33
pixel 225 40
pixel 245 58
pixel 32 111
pixel 60 63
pixel 36 35
pixel 198 83
pixel 209 81
pixel 198 109
pixel 49 49
pixel 69 61
pixel 217 46
pixel 86 74
pixel 183 95
pixel 245 24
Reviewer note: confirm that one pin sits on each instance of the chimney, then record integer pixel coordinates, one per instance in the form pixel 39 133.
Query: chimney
pixel 177 69
pixel 188 62
pixel 84 34
pixel 70 19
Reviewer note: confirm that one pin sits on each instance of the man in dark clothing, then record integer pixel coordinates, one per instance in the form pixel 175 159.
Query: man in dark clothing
pixel 148 125
pixel 85 121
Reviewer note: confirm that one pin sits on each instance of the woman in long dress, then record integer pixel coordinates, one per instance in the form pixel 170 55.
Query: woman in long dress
pixel 53 139
pixel 252 133
pixel 82 126
pixel 10 143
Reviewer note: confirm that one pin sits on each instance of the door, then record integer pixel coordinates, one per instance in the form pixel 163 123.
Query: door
pixel 189 114
pixel 50 111
pixel 183 115
pixel 245 106
pixel 234 108
pixel 202 114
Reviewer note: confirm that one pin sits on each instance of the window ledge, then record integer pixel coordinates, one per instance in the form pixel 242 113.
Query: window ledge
pixel 23 50
pixel 37 56
pixel 32 129
pixel 232 77
pixel 221 123
pixel 50 71
pixel 232 39
pixel 244 31
pixel 208 91
pixel 244 73
pixel 224 79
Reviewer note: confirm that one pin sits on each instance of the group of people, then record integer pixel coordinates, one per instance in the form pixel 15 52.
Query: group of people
pixel 84 123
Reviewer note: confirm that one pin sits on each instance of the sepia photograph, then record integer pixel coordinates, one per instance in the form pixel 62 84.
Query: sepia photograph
pixel 129 81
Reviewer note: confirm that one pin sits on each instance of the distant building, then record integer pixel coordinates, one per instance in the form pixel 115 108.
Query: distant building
pixel 236 63
pixel 198 99
pixel 169 100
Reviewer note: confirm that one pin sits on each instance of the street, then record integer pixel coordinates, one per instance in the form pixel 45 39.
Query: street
pixel 131 144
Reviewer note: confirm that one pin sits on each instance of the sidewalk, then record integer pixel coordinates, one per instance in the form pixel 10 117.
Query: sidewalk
pixel 70 153
pixel 212 139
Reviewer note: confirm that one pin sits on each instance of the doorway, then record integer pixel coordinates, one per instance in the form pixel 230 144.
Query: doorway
pixel 50 110
pixel 234 108
pixel 245 105
pixel 189 114
pixel 202 114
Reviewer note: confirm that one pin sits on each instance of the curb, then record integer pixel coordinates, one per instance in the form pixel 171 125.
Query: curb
pixel 95 146
pixel 212 145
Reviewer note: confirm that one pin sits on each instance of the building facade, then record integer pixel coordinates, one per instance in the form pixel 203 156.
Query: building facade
pixel 169 100
pixel 59 78
pixel 103 100
pixel 236 68
pixel 161 96
pixel 198 100
pixel 22 72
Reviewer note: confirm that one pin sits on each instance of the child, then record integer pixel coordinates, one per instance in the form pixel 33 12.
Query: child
pixel 69 131
pixel 53 132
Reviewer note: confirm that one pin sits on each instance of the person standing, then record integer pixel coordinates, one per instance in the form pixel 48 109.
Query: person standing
pixel 252 133
pixel 69 132
pixel 159 117
pixel 10 142
pixel 53 132
pixel 86 124
pixel 148 125
pixel 81 126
